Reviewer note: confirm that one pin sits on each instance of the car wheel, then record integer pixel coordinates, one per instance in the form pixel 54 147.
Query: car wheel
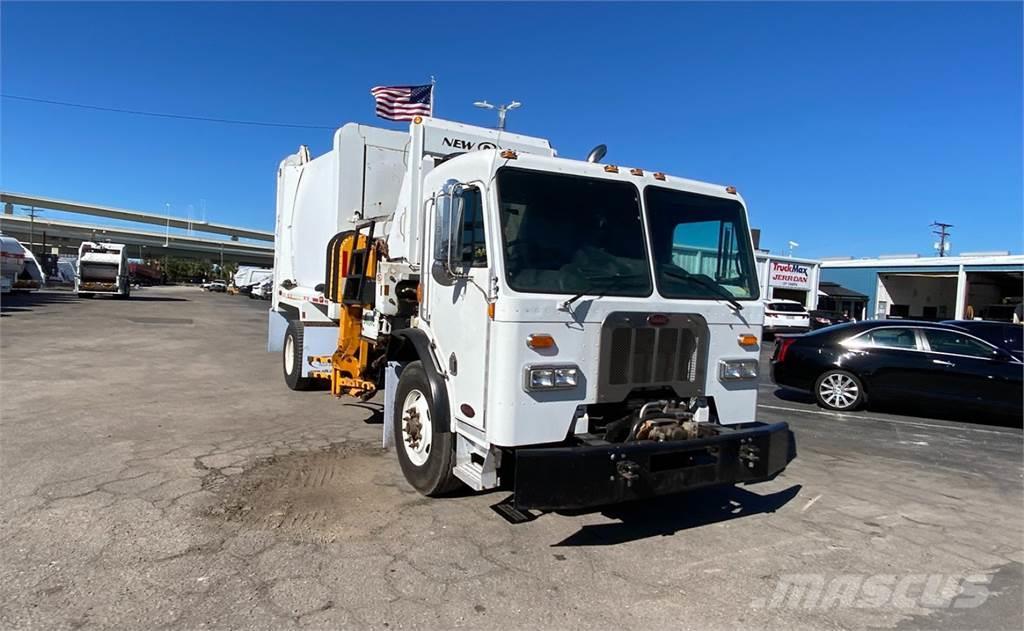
pixel 839 390
pixel 292 358
pixel 425 454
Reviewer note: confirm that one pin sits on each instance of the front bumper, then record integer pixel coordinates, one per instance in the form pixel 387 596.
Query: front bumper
pixel 97 287
pixel 550 478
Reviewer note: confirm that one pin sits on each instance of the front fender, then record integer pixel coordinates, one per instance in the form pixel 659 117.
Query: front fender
pixel 409 343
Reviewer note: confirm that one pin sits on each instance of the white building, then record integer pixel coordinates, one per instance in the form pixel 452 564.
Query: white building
pixel 983 285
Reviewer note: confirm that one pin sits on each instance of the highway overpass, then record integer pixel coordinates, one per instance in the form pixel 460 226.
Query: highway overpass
pixel 9 200
pixel 67 235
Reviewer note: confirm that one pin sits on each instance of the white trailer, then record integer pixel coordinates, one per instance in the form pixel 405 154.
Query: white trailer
pixel 102 270
pixel 12 262
pixel 527 316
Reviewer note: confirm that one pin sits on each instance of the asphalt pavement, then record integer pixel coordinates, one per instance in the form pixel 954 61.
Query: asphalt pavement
pixel 156 472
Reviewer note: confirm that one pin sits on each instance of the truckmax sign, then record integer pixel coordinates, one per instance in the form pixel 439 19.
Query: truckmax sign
pixel 788 274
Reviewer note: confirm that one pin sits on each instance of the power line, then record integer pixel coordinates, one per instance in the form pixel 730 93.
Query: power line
pixel 162 114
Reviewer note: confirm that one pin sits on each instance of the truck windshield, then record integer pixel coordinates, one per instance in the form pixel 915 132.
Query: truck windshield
pixel 567 234
pixel 700 245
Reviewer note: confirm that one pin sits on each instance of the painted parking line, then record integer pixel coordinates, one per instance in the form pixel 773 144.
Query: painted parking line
pixel 876 419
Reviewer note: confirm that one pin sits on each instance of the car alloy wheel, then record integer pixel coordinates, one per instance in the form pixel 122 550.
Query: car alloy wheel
pixel 839 391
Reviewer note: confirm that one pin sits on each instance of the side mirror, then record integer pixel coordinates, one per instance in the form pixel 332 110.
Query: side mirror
pixel 448 229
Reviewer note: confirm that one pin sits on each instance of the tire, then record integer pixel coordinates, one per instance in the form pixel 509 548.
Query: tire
pixel 427 457
pixel 291 358
pixel 839 390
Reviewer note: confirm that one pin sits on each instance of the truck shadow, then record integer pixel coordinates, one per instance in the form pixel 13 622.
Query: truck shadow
pixel 136 298
pixel 666 516
pixel 23 302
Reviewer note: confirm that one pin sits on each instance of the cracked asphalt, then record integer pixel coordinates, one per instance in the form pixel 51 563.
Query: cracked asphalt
pixel 157 473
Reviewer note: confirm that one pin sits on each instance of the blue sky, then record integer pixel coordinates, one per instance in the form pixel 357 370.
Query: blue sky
pixel 847 127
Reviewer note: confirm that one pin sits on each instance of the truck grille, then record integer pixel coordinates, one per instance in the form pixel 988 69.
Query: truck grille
pixel 635 353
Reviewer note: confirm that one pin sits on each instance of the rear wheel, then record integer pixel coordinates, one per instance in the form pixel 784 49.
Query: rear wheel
pixel 839 390
pixel 427 456
pixel 292 358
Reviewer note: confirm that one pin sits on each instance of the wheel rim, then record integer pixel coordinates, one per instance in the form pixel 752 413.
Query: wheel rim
pixel 289 354
pixel 417 428
pixel 839 391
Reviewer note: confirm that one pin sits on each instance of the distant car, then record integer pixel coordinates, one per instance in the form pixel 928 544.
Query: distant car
pixel 1009 337
pixel 821 319
pixel 1000 313
pixel 846 365
pixel 785 316
pixel 219 286
pixel 262 290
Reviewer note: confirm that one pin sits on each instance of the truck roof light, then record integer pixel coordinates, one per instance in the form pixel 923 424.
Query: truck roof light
pixel 611 168
pixel 659 176
pixel 417 120
pixel 730 189
pixel 636 171
pixel 540 340
pixel 748 340
pixel 509 154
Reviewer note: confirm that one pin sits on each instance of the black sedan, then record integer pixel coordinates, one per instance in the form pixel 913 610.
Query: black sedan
pixel 1005 335
pixel 846 365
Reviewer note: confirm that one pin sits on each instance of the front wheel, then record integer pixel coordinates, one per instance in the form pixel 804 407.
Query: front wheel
pixel 425 454
pixel 839 390
pixel 292 358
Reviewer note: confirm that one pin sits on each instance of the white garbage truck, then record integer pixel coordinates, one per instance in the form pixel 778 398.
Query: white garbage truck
pixel 102 270
pixel 577 332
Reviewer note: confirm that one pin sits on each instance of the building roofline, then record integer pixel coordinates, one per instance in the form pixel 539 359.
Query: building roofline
pixel 931 261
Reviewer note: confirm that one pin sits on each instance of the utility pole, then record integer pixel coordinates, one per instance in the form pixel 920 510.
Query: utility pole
pixel 32 228
pixel 943 232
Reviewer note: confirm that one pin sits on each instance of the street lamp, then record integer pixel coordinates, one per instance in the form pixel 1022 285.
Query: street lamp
pixel 502 110
pixel 167 235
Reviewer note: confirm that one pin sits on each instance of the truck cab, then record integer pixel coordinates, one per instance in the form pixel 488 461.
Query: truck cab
pixel 579 333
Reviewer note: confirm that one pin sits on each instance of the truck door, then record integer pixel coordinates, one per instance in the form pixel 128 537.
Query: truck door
pixel 458 315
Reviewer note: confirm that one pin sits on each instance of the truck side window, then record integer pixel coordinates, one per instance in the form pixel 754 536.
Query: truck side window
pixel 474 246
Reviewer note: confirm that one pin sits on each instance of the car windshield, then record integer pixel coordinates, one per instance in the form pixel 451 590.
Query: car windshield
pixel 700 244
pixel 572 235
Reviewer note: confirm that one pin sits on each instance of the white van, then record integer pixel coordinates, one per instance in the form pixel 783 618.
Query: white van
pixel 785 316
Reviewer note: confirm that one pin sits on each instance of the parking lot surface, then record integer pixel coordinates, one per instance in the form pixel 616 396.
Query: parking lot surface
pixel 156 472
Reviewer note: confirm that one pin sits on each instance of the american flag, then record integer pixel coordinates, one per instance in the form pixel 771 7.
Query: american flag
pixel 403 102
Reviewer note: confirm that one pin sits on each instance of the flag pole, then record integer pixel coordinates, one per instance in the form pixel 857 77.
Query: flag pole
pixel 433 87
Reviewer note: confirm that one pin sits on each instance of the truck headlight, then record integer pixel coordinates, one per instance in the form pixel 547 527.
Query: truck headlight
pixel 737 369
pixel 551 377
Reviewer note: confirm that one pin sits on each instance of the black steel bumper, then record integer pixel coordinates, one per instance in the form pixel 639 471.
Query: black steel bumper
pixel 551 478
